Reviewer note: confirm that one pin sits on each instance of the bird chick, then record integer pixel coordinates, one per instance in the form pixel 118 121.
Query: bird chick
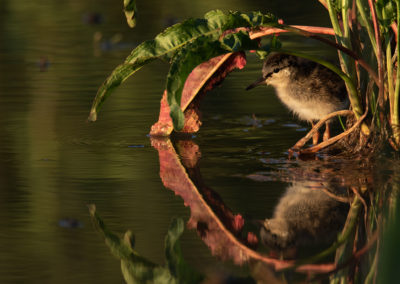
pixel 308 89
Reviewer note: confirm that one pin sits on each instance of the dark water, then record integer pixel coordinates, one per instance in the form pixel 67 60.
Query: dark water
pixel 53 163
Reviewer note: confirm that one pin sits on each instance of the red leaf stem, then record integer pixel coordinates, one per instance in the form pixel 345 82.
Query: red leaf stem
pixel 394 28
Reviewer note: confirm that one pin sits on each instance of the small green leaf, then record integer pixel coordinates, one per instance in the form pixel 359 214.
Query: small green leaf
pixel 262 54
pixel 130 12
pixel 238 42
pixel 386 12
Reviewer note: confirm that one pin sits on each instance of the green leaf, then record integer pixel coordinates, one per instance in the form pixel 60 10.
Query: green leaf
pixel 185 61
pixel 264 51
pixel 238 42
pixel 189 57
pixel 259 19
pixel 386 12
pixel 119 75
pixel 130 12
pixel 174 257
pixel 170 43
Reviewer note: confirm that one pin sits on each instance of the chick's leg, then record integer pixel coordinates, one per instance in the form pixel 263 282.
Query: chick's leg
pixel 315 137
pixel 327 133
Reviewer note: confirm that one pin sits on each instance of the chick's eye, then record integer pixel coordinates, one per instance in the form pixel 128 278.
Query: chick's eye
pixel 276 70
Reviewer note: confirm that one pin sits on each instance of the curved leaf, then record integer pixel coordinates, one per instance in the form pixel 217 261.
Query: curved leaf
pixel 183 64
pixel 168 43
pixel 191 56
pixel 120 74
pixel 202 79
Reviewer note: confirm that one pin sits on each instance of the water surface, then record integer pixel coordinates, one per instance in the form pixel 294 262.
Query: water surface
pixel 53 163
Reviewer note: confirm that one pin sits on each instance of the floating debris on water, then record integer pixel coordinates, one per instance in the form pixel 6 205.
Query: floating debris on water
pixel 70 223
pixel 136 146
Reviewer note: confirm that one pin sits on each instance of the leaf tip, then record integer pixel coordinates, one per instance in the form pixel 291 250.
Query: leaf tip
pixel 129 239
pixel 92 116
pixel 92 209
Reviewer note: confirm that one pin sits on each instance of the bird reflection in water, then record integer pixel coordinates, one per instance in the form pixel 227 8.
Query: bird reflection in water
pixel 307 214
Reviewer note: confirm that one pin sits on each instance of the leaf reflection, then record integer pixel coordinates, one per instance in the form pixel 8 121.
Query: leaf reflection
pixel 220 229
pixel 137 269
pixel 351 220
pixel 334 206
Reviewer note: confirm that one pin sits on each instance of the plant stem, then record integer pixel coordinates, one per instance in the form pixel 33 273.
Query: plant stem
pixel 353 93
pixel 395 115
pixel 379 56
pixel 309 33
pixel 334 20
pixel 338 32
pixel 345 40
pixel 366 22
pixel 389 67
pixel 348 65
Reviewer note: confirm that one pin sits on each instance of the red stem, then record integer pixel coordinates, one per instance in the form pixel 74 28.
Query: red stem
pixel 323 4
pixel 310 31
pixel 269 30
pixel 394 28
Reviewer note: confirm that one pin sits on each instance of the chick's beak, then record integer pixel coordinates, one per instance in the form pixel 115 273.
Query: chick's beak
pixel 259 81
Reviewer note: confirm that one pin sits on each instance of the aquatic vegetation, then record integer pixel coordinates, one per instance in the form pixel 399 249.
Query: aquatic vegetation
pixel 356 227
pixel 136 268
pixel 366 38
pixel 201 52
pixel 186 45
